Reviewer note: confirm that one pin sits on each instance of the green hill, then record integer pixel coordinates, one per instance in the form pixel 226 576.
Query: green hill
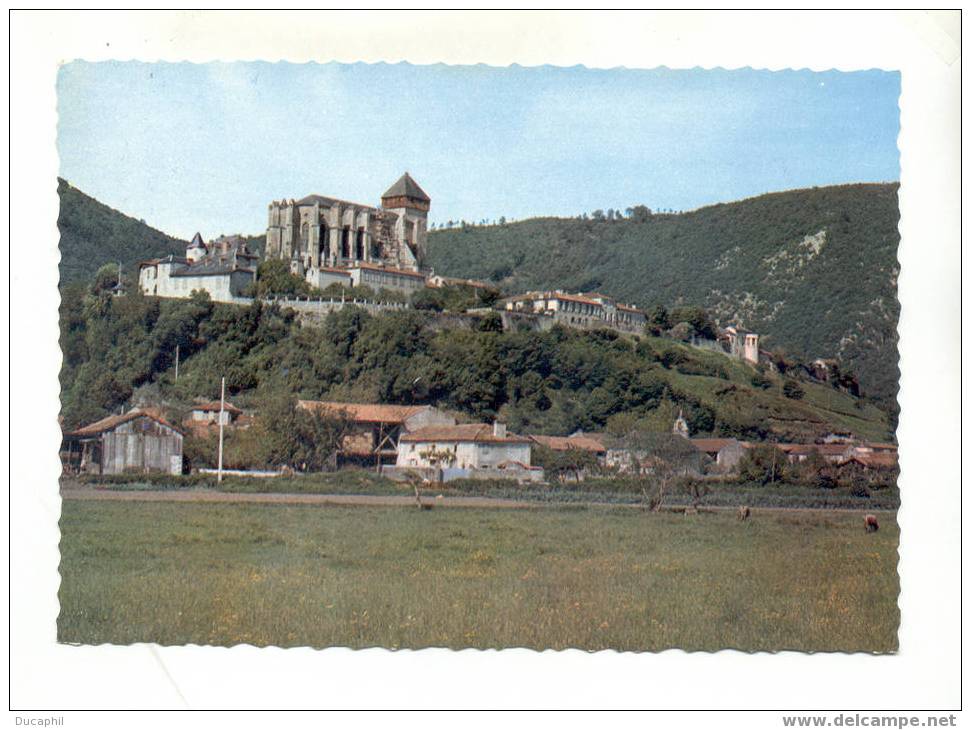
pixel 813 270
pixel 92 234
pixel 539 382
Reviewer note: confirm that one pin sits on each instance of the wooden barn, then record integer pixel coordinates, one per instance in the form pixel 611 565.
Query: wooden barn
pixel 375 429
pixel 138 441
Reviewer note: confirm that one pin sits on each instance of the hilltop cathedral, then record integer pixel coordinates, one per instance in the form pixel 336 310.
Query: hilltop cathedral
pixel 329 241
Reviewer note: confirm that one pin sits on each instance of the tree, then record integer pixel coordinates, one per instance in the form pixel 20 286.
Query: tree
pixel 274 279
pixel 560 463
pixel 759 380
pixel 814 471
pixel 105 279
pixel 660 460
pixel 764 464
pixel 698 318
pixel 304 439
pixel 657 319
pixel 491 322
pixel 640 213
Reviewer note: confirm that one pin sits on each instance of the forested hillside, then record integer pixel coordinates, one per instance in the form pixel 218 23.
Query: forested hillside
pixel 92 234
pixel 551 382
pixel 814 271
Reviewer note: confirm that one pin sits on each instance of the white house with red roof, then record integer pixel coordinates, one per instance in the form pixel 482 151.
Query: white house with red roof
pixel 471 450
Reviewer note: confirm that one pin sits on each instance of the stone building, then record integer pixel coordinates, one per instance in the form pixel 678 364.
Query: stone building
pixel 224 268
pixel 585 311
pixel 742 343
pixel 725 452
pixel 471 447
pixel 138 441
pixel 317 234
pixel 214 412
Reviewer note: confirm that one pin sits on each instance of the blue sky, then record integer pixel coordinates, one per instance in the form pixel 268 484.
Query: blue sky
pixel 206 147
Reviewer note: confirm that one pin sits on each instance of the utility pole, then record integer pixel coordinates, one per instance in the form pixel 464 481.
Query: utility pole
pixel 222 411
pixel 176 363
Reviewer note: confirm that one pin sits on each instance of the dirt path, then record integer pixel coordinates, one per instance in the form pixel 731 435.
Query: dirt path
pixel 372 500
pixel 208 495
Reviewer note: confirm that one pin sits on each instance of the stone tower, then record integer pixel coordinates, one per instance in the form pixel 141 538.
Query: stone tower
pixel 680 427
pixel 411 204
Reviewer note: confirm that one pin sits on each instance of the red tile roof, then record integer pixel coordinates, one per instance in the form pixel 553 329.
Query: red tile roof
pixel 565 443
pixel 712 446
pixel 830 449
pixel 214 406
pixel 473 432
pixel 875 461
pixel 112 422
pixel 364 412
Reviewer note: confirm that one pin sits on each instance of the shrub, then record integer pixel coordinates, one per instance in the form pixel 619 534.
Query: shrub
pixel 673 357
pixel 761 382
pixel 793 390
pixel 764 464
pixel 491 322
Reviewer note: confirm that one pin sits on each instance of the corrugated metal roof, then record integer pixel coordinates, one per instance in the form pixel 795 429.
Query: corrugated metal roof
pixel 111 422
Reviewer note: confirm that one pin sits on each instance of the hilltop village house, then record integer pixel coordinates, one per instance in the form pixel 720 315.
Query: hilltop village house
pixel 579 310
pixel 138 441
pixel 468 450
pixel 374 430
pixel 327 239
pixel 225 268
pixel 742 344
pixel 209 413
pixel 725 452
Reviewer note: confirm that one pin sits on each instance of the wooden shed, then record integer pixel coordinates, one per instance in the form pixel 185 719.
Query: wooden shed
pixel 374 429
pixel 138 441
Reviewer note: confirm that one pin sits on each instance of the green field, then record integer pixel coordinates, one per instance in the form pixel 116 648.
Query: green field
pixel 605 578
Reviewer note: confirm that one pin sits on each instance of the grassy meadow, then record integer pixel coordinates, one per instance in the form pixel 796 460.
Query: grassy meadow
pixel 604 578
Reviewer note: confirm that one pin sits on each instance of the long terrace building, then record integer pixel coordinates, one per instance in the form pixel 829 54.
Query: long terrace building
pixel 585 311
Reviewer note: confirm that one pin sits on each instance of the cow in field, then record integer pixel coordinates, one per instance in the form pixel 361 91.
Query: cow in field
pixel 870 523
pixel 743 513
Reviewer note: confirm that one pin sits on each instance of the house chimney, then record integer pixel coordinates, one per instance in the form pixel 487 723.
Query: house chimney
pixel 499 430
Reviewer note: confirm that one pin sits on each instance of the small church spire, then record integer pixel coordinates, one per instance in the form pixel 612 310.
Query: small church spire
pixel 681 425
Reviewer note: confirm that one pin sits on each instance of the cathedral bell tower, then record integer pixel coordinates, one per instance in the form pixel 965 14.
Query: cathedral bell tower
pixel 410 203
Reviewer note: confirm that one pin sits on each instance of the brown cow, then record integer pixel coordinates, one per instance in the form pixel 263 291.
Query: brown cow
pixel 870 523
pixel 743 513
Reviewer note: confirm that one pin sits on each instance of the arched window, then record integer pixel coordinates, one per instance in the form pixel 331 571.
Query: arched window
pixel 345 242
pixel 304 236
pixel 323 248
